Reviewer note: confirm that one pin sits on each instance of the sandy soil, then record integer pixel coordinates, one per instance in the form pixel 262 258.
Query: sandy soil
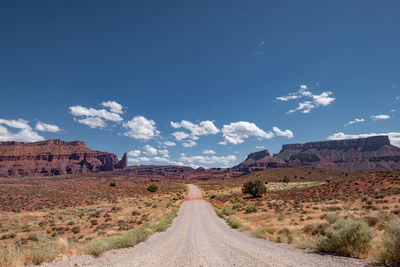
pixel 199 238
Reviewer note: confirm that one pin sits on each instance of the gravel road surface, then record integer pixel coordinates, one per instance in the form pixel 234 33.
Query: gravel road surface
pixel 198 237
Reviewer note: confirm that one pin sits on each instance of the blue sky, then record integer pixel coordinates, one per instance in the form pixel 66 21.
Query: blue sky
pixel 125 76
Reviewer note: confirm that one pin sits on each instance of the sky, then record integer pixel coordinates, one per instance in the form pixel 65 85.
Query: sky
pixel 198 83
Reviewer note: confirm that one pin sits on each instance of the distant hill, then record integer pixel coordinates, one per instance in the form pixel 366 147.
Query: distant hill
pixel 372 153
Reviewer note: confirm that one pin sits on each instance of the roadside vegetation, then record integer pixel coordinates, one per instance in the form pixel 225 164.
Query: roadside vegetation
pixel 127 214
pixel 347 214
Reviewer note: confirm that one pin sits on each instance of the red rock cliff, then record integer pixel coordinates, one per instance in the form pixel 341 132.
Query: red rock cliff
pixel 54 157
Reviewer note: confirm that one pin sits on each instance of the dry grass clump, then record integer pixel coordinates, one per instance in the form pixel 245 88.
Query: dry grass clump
pixel 166 221
pixel 390 254
pixel 127 239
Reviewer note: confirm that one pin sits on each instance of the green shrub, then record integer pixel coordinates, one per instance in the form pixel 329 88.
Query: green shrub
pixel 371 220
pixel 331 217
pixel 237 205
pixel 135 212
pixel 255 188
pixel 250 208
pixel 285 179
pixel 228 211
pixel 235 224
pixel 260 232
pixel 75 229
pixel 390 254
pixel 113 184
pixel 285 236
pixel 152 188
pixel 347 237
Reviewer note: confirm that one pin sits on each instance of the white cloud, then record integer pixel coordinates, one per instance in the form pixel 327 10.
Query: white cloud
pixel 149 150
pixel 169 143
pixel 323 99
pixel 287 133
pixel 134 153
pixel 95 118
pixel 225 161
pixel 306 106
pixel 92 122
pixel 398 97
pixel 19 124
pixel 235 132
pixel 114 106
pixel 189 143
pixel 380 117
pixel 260 147
pixel 393 136
pixel 288 97
pixel 24 134
pixel 179 136
pixel 208 152
pixel 78 111
pixel 164 153
pixel 354 121
pixel 44 127
pixel 196 130
pixel 139 160
pixel 141 128
pixel 161 159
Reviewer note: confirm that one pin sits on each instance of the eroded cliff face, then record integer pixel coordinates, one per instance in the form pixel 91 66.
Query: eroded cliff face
pixel 372 153
pixel 54 157
pixel 258 161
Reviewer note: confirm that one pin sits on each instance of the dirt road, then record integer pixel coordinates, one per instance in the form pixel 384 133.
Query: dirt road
pixel 199 238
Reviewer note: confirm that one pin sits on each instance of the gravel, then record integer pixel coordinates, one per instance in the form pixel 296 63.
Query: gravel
pixel 198 237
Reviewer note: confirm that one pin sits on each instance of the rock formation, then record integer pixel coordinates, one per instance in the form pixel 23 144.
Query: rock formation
pixel 258 161
pixel 54 157
pixel 372 153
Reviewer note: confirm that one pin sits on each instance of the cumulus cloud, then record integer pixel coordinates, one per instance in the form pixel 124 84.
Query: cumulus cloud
pixel 139 160
pixel 310 101
pixel 134 153
pixel 169 143
pixel 114 106
pixel 224 161
pixel 393 136
pixel 44 127
pixel 287 133
pixel 380 117
pixel 24 133
pixel 164 153
pixel 141 128
pixel 96 118
pixel 208 152
pixel 92 122
pixel 236 132
pixel 196 130
pixel 354 121
pixel 149 150
pixel 189 143
pixel 179 136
